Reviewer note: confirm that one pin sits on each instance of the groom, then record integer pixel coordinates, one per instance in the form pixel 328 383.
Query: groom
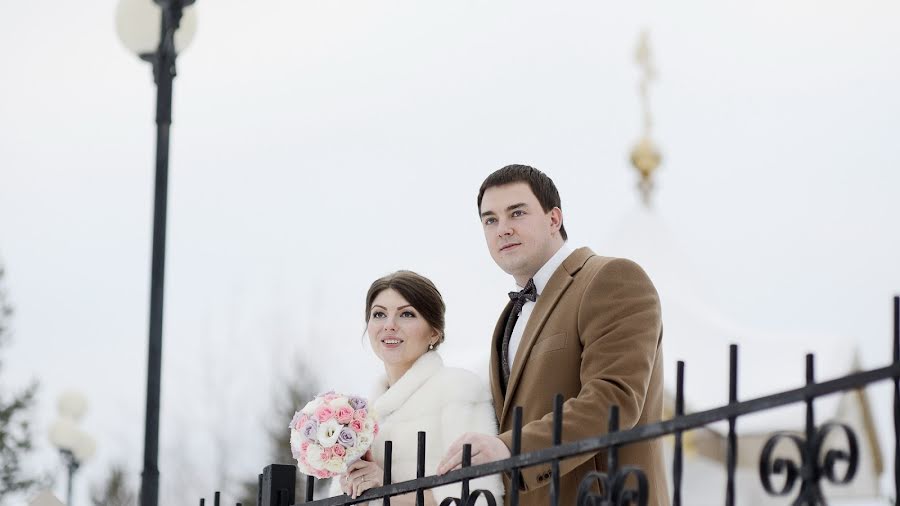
pixel 585 326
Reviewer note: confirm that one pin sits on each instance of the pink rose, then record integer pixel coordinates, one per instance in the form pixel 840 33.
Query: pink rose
pixel 360 414
pixel 327 453
pixel 330 396
pixel 375 432
pixel 321 473
pixel 324 413
pixel 304 446
pixel 356 425
pixel 344 414
pixel 338 451
pixel 301 422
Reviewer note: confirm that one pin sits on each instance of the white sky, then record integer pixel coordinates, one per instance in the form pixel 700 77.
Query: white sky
pixel 319 145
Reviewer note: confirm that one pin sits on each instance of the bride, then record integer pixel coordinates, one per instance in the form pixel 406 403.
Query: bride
pixel 405 325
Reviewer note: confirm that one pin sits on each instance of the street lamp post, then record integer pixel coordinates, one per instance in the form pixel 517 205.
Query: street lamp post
pixel 74 445
pixel 151 29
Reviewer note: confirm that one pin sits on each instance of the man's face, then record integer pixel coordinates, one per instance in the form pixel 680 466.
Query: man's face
pixel 519 234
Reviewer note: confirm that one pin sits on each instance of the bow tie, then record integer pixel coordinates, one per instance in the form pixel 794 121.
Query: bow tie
pixel 529 293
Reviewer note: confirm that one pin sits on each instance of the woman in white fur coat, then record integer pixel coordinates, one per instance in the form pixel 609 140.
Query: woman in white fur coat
pixel 405 324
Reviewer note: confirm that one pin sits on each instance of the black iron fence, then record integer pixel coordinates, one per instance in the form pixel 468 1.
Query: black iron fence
pixel 628 485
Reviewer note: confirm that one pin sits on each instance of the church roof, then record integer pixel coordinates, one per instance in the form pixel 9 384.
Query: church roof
pixel 769 360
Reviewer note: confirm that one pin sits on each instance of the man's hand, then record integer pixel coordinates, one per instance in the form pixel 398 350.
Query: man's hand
pixel 484 449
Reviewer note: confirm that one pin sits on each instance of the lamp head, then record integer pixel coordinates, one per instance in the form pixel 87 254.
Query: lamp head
pixel 138 24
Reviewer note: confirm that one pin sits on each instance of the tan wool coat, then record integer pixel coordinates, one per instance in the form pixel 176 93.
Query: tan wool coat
pixel 594 336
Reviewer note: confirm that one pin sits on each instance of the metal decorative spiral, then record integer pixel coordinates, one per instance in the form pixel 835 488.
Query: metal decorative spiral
pixel 813 464
pixel 613 489
pixel 491 500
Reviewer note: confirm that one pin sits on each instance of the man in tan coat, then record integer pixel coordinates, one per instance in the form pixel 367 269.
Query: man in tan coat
pixel 581 325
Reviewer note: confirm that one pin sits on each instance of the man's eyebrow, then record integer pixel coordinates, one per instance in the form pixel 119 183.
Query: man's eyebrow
pixel 509 208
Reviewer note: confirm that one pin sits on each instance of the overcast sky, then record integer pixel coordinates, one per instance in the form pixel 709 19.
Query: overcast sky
pixel 319 145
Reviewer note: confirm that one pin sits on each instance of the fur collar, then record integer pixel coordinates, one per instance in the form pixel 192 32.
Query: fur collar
pixel 388 399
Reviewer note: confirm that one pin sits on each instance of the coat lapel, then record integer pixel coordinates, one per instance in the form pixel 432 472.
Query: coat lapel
pixel 547 301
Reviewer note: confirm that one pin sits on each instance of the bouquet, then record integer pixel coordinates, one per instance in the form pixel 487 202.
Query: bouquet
pixel 331 432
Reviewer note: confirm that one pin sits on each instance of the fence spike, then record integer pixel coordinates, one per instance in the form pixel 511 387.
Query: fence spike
pixel 386 480
pixel 731 455
pixel 420 469
pixel 613 451
pixel 516 450
pixel 466 462
pixel 557 440
pixel 810 487
pixel 896 397
pixel 677 457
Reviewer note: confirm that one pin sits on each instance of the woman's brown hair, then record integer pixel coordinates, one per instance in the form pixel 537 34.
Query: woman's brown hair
pixel 419 291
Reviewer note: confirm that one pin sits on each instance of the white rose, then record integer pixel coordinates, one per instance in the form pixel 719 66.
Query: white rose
pixel 314 456
pixel 310 407
pixel 336 465
pixel 363 440
pixel 329 432
pixel 353 454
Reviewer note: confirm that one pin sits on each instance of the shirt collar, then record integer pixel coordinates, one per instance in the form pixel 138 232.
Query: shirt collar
pixel 543 274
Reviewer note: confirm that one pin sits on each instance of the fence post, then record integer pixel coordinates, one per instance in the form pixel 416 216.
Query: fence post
pixel 732 451
pixel 896 401
pixel 275 478
pixel 678 458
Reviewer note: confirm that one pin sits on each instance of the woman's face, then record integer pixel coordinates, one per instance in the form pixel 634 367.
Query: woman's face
pixel 397 332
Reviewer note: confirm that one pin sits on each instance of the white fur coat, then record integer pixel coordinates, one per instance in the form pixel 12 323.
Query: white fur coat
pixel 444 402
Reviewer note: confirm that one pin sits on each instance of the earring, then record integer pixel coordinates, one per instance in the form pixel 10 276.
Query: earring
pixel 430 346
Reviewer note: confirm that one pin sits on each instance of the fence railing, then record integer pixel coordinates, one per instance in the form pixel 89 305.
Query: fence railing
pixel 628 485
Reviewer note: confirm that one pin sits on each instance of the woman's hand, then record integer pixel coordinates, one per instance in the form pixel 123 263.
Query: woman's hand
pixel 361 476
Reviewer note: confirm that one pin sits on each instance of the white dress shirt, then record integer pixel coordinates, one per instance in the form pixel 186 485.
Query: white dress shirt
pixel 540 281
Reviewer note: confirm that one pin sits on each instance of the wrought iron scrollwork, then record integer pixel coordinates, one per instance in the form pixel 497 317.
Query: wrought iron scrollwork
pixel 833 456
pixel 491 500
pixel 813 464
pixel 614 485
pixel 614 490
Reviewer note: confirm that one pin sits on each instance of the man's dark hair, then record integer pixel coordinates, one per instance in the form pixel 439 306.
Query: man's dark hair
pixel 541 186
